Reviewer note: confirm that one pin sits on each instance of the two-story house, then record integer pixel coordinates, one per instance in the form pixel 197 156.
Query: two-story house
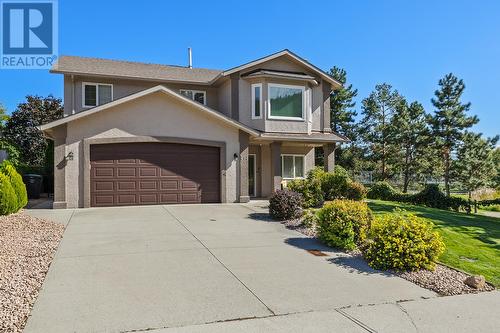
pixel 137 133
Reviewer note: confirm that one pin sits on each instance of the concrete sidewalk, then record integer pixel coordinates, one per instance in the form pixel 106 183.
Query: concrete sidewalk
pixel 212 268
pixel 464 313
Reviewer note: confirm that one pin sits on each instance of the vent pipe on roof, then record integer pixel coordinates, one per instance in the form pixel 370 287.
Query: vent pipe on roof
pixel 190 55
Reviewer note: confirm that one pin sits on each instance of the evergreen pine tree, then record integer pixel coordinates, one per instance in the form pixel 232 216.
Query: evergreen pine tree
pixel 449 121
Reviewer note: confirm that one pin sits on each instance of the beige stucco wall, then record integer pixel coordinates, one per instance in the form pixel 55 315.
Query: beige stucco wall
pixel 122 88
pixel 219 97
pixel 153 115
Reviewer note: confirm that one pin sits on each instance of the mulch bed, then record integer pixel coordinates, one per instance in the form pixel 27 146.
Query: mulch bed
pixel 443 280
pixel 27 246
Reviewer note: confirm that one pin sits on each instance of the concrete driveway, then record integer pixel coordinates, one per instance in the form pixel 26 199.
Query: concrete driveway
pixel 197 267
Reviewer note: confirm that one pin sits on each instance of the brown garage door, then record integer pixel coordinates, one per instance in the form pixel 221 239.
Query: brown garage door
pixel 153 173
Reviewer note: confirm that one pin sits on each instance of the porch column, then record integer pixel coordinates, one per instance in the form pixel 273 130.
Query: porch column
pixel 276 165
pixel 243 169
pixel 59 136
pixel 329 156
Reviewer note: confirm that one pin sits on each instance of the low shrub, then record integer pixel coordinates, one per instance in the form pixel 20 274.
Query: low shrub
pixel 402 242
pixel 17 184
pixel 343 223
pixel 310 188
pixel 8 198
pixel 355 191
pixel 382 191
pixel 285 205
pixel 310 218
pixel 335 184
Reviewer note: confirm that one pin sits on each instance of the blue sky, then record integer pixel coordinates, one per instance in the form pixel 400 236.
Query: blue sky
pixel 407 44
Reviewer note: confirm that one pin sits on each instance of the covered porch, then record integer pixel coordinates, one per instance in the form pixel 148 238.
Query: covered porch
pixel 269 161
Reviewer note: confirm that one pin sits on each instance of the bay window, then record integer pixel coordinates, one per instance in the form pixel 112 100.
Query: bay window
pixel 286 101
pixel 257 101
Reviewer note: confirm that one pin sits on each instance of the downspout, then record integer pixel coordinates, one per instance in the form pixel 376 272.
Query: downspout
pixel 72 94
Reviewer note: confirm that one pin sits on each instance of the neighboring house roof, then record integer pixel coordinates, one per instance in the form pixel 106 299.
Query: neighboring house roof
pixel 136 70
pixel 289 53
pixel 142 93
pixel 167 73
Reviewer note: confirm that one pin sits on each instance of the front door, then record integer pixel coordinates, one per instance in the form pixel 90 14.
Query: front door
pixel 251 175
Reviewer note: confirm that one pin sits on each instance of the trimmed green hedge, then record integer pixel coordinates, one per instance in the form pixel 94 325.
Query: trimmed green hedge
pixel 8 198
pixel 17 184
pixel 430 196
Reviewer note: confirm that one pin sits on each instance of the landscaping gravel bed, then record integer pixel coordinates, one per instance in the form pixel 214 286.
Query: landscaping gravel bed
pixel 27 246
pixel 443 280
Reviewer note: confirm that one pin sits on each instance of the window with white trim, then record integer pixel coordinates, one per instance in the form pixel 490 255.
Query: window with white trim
pixel 286 101
pixel 199 96
pixel 292 166
pixel 95 94
pixel 257 101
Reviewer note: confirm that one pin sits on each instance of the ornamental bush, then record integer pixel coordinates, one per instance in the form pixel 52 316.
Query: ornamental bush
pixel 403 242
pixel 310 188
pixel 8 198
pixel 343 223
pixel 17 184
pixel 285 205
pixel 335 184
pixel 382 191
pixel 355 191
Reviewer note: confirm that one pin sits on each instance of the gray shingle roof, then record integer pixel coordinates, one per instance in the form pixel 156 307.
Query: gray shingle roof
pixel 128 69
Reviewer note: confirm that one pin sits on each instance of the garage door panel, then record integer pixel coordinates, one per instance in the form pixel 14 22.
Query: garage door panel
pixel 103 186
pixel 122 172
pixel 126 186
pixel 169 184
pixel 169 198
pixel 148 185
pixel 126 199
pixel 154 173
pixel 189 197
pixel 148 199
pixel 148 172
pixel 102 200
pixel 103 172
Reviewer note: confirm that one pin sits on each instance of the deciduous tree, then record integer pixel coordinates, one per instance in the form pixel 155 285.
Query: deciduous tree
pixel 21 128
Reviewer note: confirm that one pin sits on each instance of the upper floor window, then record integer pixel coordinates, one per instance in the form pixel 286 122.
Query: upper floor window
pixel 196 95
pixel 286 101
pixel 95 94
pixel 292 166
pixel 256 101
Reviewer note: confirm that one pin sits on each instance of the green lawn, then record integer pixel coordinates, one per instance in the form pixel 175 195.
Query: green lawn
pixel 472 241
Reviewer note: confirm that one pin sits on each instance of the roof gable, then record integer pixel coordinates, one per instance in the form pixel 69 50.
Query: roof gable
pixel 202 108
pixel 290 55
